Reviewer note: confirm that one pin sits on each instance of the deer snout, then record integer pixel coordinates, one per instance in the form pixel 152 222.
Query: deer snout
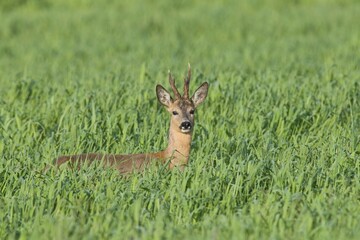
pixel 185 126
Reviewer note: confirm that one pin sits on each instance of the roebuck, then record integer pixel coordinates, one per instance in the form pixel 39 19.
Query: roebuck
pixel 182 110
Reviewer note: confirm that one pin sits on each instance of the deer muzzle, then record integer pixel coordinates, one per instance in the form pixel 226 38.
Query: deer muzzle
pixel 185 126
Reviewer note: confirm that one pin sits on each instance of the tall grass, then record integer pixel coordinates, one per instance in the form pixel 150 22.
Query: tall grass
pixel 276 149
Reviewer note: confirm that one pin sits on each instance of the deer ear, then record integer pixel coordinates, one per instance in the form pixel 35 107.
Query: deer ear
pixel 200 94
pixel 163 96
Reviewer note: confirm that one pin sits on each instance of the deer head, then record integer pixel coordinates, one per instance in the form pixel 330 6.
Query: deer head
pixel 182 108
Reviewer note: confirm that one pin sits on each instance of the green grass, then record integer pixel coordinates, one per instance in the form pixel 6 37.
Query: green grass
pixel 276 149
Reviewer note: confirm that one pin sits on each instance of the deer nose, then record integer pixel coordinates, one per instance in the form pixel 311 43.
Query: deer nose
pixel 185 125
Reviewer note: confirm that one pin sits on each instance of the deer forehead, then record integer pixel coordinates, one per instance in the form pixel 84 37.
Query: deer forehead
pixel 182 104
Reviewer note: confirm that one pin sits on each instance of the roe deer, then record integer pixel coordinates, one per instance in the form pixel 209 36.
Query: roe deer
pixel 182 110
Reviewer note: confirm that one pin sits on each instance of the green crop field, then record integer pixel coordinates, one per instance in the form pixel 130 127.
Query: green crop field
pixel 276 146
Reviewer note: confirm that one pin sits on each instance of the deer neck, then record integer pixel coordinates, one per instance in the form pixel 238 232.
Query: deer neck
pixel 178 150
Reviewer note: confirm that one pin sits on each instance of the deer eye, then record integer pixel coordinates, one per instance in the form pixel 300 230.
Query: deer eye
pixel 175 113
pixel 192 111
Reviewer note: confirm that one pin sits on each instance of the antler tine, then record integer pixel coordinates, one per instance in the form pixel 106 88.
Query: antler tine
pixel 187 82
pixel 173 87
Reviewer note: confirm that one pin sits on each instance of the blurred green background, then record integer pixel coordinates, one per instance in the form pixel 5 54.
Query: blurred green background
pixel 242 35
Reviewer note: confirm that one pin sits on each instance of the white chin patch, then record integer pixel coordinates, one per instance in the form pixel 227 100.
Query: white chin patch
pixel 186 130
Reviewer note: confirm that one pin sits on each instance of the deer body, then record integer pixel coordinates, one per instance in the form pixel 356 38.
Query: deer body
pixel 181 127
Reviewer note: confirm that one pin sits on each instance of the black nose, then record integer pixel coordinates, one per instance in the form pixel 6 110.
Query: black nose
pixel 185 125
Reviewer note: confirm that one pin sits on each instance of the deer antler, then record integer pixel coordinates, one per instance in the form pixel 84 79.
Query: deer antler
pixel 172 84
pixel 186 83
